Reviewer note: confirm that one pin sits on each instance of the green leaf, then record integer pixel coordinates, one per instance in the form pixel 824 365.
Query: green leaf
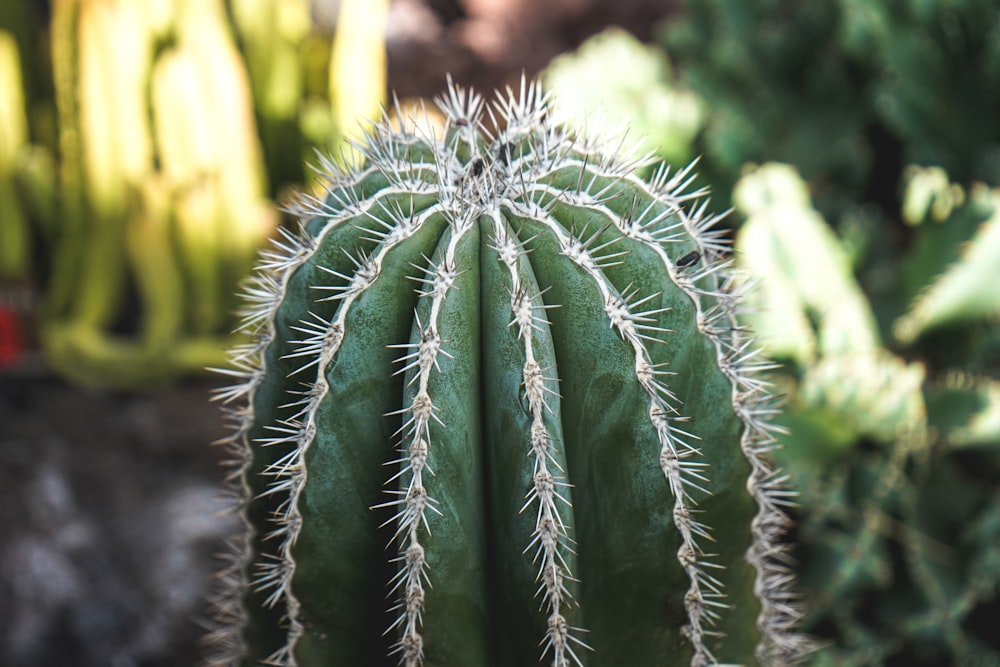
pixel 807 299
pixel 967 289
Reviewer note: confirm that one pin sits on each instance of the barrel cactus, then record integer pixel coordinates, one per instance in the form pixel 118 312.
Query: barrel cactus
pixel 498 411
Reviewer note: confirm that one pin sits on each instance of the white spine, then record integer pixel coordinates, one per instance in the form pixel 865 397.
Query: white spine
pixel 550 538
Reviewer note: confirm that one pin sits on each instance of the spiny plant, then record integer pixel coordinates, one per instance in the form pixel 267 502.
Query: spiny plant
pixel 497 378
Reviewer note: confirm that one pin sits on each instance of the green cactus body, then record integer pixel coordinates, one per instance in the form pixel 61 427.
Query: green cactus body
pixel 491 419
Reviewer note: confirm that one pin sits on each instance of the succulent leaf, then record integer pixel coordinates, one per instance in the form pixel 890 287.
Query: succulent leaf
pixel 966 289
pixel 894 458
pixel 639 89
pixel 870 394
pixel 966 410
pixel 804 275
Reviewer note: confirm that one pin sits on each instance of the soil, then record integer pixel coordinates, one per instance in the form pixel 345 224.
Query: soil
pixel 111 508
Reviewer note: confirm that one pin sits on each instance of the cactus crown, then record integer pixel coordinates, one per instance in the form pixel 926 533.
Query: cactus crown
pixel 510 358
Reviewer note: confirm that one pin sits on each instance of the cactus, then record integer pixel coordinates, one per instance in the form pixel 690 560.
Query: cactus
pixel 497 411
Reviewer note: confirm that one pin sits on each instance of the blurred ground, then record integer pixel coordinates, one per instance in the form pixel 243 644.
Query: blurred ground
pixel 109 502
pixel 111 516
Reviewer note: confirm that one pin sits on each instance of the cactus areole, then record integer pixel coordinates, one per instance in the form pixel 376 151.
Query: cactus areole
pixel 488 418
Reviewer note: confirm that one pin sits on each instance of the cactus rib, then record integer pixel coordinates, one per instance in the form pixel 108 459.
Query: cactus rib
pixel 467 220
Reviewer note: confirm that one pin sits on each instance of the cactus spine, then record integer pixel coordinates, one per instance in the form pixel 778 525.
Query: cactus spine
pixel 496 377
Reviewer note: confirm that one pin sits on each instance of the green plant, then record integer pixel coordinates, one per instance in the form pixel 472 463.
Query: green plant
pixel 142 226
pixel 848 91
pixel 310 88
pixel 497 377
pixel 13 139
pixel 137 164
pixel 638 89
pixel 893 422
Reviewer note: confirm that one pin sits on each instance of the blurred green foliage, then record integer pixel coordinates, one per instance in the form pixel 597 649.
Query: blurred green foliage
pixel 849 91
pixel 143 145
pixel 871 242
pixel 638 90
pixel 13 138
pixel 893 441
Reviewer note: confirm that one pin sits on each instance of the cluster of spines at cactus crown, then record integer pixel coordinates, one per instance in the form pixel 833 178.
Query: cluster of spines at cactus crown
pixel 470 174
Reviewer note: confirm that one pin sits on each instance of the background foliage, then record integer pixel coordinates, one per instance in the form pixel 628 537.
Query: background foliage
pixel 144 144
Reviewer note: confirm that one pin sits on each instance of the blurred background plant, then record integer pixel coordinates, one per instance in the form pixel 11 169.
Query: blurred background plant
pixel 893 430
pixel 144 144
pixel 858 144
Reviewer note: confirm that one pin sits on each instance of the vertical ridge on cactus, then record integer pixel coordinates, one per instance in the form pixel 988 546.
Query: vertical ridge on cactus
pixel 484 385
